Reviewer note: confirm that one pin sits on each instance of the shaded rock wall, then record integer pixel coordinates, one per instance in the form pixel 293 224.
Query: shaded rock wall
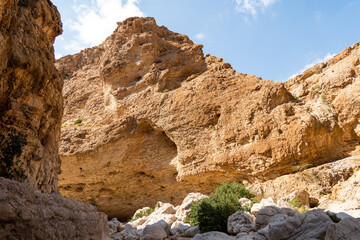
pixel 31 107
pixel 224 125
pixel 28 214
pixel 30 93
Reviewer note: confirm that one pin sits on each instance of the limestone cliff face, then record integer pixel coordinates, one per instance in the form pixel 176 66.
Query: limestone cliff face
pixel 332 89
pixel 30 93
pixel 30 116
pixel 160 120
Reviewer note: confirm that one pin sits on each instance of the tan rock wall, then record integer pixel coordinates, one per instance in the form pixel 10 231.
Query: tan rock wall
pixel 218 125
pixel 30 93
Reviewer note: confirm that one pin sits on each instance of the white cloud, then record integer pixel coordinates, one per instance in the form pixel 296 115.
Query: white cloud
pixel 58 55
pixel 313 63
pixel 253 6
pixel 96 20
pixel 200 36
pixel 317 16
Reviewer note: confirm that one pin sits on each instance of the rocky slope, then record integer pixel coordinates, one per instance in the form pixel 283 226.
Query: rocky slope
pixel 30 97
pixel 266 220
pixel 31 107
pixel 159 120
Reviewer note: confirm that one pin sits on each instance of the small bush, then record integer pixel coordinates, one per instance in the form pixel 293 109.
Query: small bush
pixel 302 209
pixel 77 121
pixel 143 213
pixel 301 167
pixel 323 98
pixel 10 147
pixel 323 193
pixel 333 217
pixel 295 203
pixel 211 213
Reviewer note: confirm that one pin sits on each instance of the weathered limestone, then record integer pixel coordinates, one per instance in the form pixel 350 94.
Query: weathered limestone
pixel 30 93
pixel 168 121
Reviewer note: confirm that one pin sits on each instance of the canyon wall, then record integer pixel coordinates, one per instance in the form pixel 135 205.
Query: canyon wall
pixel 148 117
pixel 31 108
pixel 30 93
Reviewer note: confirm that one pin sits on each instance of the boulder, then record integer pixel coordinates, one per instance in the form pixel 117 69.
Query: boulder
pixel 115 226
pixel 265 214
pixel 263 203
pixel 139 222
pixel 245 237
pixel 311 225
pixel 284 204
pixel 131 235
pixel 26 213
pixel 313 202
pixel 183 211
pixel 347 229
pixel 191 232
pixel 246 202
pixel 301 195
pixel 156 231
pixel 241 222
pixel 178 228
pixel 163 211
pixel 213 236
pixel 164 208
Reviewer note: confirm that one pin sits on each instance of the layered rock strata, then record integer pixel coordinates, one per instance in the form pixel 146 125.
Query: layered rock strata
pixel 159 120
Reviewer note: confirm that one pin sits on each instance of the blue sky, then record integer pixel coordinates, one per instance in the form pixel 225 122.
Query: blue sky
pixel 272 39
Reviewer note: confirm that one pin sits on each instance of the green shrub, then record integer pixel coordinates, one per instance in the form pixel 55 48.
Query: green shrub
pixel 10 147
pixel 77 121
pixel 211 213
pixel 295 203
pixel 301 167
pixel 141 214
pixel 323 97
pixel 302 209
pixel 323 193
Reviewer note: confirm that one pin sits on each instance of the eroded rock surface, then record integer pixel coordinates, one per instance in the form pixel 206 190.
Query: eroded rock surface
pixel 30 93
pixel 28 214
pixel 30 117
pixel 162 118
pixel 318 181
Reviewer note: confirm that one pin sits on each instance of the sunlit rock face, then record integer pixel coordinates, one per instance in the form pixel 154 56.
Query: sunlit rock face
pixel 159 120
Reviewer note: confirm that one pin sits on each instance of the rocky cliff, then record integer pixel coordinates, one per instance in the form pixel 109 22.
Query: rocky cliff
pixel 31 108
pixel 148 117
pixel 30 96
